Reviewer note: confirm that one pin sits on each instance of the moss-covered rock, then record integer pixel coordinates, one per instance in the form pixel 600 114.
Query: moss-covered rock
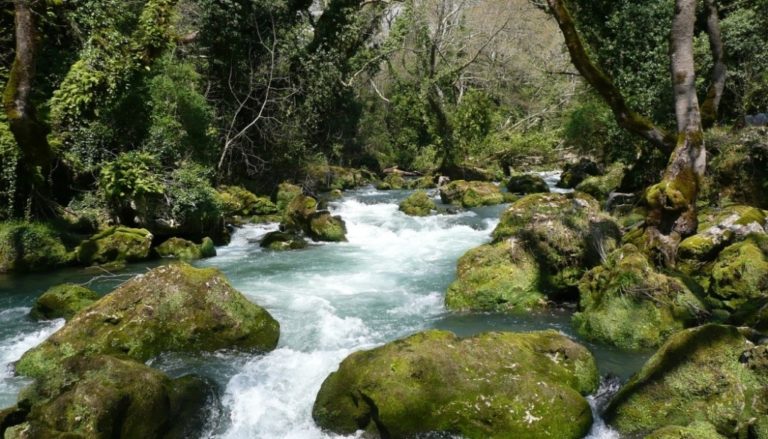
pixel 29 247
pixel 104 397
pixel 238 201
pixel 499 277
pixel 325 227
pixel 527 184
pixel 298 213
pixel 739 277
pixel 705 374
pixel 324 178
pixel 392 182
pixel 493 385
pixel 471 193
pixel 186 250
pixel 697 430
pixel 63 301
pixel 575 173
pixel 566 234
pixel 425 182
pixel 171 308
pixel 115 244
pixel 735 170
pixel 279 241
pixel 286 192
pixel 600 186
pixel 626 303
pixel 418 203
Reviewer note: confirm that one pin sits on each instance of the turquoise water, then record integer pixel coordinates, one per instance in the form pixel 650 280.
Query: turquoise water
pixel 331 299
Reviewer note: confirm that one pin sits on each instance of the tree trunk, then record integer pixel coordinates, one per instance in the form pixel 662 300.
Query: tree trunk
pixel 711 105
pixel 36 155
pixel 672 202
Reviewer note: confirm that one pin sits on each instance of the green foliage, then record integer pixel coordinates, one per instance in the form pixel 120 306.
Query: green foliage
pixel 190 197
pixel 130 176
pixel 9 157
pixel 472 120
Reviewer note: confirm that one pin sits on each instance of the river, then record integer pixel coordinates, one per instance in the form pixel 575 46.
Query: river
pixel 330 299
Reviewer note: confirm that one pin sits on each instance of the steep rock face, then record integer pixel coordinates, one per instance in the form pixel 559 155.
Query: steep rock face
pixel 626 303
pixel 713 374
pixel 63 301
pixel 171 308
pixel 471 193
pixel 26 247
pixel 501 277
pixel 106 397
pixel 566 234
pixel 418 204
pixel 115 244
pixel 494 385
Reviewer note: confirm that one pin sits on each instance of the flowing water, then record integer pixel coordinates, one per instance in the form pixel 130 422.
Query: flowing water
pixel 330 299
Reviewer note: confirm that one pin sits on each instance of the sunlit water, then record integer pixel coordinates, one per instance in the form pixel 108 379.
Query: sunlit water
pixel 330 299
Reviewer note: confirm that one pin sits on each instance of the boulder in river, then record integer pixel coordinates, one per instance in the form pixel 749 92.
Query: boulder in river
pixel 527 184
pixel 326 227
pixel 471 193
pixel 418 203
pixel 282 241
pixel 493 385
pixel 63 301
pixel 29 247
pixel 297 213
pixel 500 277
pixel 712 373
pixel 238 201
pixel 286 192
pixel 103 397
pixel 626 303
pixel 187 250
pixel 392 182
pixel 173 308
pixel 566 234
pixel 115 244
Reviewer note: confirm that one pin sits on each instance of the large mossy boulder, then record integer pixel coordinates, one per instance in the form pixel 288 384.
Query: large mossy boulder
pixel 238 201
pixel 279 241
pixel 566 234
pixel 418 203
pixel 493 385
pixel 103 397
pixel 326 227
pixel 500 277
pixel 187 250
pixel 527 184
pixel 626 303
pixel 392 182
pixel 575 173
pixel 697 430
pixel 471 193
pixel 298 213
pixel 286 192
pixel 713 374
pixel 30 247
pixel 115 244
pixel 601 186
pixel 63 301
pixel 174 308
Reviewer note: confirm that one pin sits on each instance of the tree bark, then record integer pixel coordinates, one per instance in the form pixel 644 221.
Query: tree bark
pixel 711 105
pixel 602 83
pixel 36 155
pixel 672 202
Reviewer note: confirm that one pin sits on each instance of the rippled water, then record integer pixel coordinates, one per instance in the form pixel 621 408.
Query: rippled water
pixel 331 299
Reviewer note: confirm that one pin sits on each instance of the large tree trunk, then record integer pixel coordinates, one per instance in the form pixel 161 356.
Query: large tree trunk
pixel 711 105
pixel 672 202
pixel 36 155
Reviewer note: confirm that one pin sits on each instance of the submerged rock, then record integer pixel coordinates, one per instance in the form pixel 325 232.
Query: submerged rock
pixel 497 277
pixel 115 244
pixel 103 397
pixel 471 193
pixel 279 241
pixel 29 247
pixel 186 250
pixel 566 234
pixel 174 308
pixel 63 301
pixel 493 385
pixel 626 303
pixel 711 374
pixel 418 204
pixel 527 184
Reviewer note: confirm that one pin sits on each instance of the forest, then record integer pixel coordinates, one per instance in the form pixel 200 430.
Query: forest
pixel 384 218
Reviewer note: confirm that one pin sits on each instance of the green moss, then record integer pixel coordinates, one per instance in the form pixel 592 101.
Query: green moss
pixel 325 227
pixel 171 308
pixel 496 277
pixel 63 301
pixel 297 214
pixel 739 276
pixel 286 192
pixel 392 182
pixel 418 204
pixel 697 430
pixel 238 201
pixel 601 186
pixel 696 376
pixel 526 184
pixel 470 194
pixel 28 247
pixel 493 385
pixel 282 241
pixel 186 250
pixel 626 303
pixel 324 178
pixel 115 244
pixel 425 182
